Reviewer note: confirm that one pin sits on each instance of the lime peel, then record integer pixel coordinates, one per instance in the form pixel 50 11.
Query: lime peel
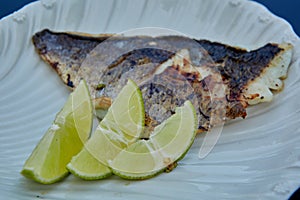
pixel 47 163
pixel 111 136
pixel 169 142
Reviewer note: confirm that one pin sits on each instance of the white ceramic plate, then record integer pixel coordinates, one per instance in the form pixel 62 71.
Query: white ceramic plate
pixel 257 158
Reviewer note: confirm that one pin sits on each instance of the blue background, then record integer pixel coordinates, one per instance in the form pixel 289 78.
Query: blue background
pixel 287 9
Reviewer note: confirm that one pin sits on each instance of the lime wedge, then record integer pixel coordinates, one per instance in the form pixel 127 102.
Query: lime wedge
pixel 167 144
pixel 87 167
pixel 63 140
pixel 122 125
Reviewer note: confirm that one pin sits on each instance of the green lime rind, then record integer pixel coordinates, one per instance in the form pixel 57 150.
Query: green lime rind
pixel 134 176
pixel 83 123
pixel 111 136
pixel 194 134
pixel 47 163
pixel 169 143
pixel 29 173
pixel 87 167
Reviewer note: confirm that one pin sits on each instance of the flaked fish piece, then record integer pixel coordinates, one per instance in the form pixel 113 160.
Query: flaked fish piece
pixel 247 77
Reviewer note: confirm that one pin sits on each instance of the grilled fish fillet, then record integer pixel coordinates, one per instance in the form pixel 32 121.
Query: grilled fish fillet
pixel 220 80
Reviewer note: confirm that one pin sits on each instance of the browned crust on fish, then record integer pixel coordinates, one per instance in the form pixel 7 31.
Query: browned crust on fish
pixel 238 67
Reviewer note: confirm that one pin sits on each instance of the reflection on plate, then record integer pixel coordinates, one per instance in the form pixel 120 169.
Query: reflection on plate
pixel 254 158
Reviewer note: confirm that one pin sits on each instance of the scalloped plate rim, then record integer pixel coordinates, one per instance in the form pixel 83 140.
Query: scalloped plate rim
pixel 296 57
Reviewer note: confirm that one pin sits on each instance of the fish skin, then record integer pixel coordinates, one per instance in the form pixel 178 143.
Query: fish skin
pixel 70 53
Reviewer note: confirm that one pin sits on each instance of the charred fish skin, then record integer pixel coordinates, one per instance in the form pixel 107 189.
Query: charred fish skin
pixel 136 65
pixel 164 92
pixel 69 51
pixel 64 52
pixel 241 70
pixel 238 66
